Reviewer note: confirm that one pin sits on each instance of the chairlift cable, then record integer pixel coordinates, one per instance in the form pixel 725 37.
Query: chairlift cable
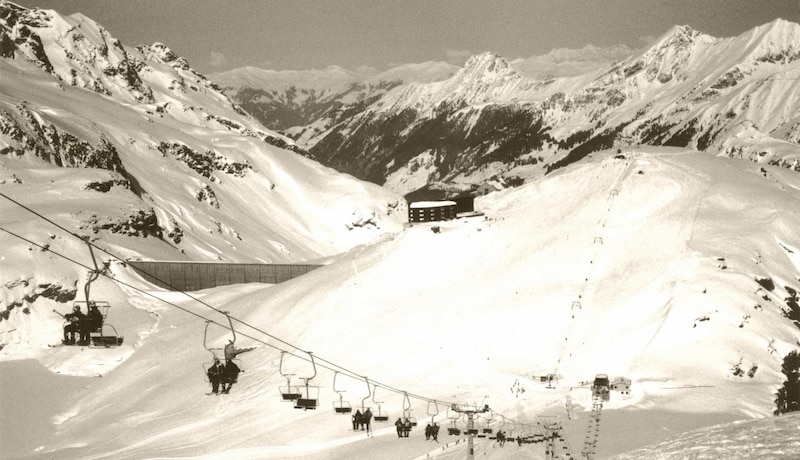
pixel 330 365
pixel 135 288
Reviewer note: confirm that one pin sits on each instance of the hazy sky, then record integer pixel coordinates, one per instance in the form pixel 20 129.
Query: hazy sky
pixel 216 35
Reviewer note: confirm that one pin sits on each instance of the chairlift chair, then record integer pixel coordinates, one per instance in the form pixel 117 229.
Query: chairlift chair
pixel 453 429
pixel 407 410
pixel 311 399
pixel 289 393
pixel 487 429
pixel 479 432
pixel 216 352
pixel 513 429
pixel 106 336
pixel 502 425
pixel 380 416
pixel 341 406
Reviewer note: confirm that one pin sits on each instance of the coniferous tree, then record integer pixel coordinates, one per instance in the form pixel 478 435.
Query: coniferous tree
pixel 788 397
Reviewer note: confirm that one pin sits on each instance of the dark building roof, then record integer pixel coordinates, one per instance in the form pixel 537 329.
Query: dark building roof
pixel 428 193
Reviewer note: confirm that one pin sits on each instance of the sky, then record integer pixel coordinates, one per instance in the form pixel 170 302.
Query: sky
pixel 218 35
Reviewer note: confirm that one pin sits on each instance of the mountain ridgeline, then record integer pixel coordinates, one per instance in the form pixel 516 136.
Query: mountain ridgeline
pixel 738 97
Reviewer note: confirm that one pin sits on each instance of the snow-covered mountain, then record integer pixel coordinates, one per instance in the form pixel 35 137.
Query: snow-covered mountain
pixel 133 148
pixel 734 96
pixel 304 103
pixel 141 125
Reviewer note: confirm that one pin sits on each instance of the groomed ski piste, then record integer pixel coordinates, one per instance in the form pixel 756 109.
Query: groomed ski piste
pixel 649 265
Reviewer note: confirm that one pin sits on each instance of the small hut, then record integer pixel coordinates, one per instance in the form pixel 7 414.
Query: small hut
pixel 487 188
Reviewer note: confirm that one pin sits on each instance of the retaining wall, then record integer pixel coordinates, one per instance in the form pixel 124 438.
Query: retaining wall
pixel 193 276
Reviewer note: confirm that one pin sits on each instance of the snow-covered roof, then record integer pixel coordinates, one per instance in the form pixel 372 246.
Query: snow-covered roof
pixel 431 204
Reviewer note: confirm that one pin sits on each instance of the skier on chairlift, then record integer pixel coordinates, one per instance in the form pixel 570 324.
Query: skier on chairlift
pixel 95 318
pixel 366 419
pixel 73 324
pixel 214 374
pixel 230 375
pixel 231 351
pixel 400 427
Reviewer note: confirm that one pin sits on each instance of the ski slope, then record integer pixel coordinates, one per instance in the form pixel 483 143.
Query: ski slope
pixel 643 266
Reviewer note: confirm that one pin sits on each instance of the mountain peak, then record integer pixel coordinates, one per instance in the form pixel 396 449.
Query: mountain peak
pixel 777 41
pixel 486 62
pixel 680 36
pixel 485 68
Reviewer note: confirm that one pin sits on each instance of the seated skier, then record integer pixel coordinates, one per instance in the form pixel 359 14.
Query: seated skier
pixel 215 375
pixel 230 374
pixel 231 351
pixel 95 318
pixel 73 324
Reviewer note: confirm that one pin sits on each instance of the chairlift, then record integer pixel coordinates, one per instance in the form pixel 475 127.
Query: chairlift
pixel 407 410
pixel 104 335
pixel 341 406
pixel 216 352
pixel 289 393
pixel 380 416
pixel 537 436
pixel 500 428
pixel 510 433
pixel 479 431
pixel 453 416
pixel 311 399
pixel 487 429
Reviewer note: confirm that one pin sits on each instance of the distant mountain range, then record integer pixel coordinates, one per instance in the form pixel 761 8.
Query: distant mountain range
pixel 738 97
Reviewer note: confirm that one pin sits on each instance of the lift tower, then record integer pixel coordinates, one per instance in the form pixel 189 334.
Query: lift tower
pixel 470 411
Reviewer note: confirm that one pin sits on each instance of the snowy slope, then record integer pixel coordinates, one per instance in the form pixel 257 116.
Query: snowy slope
pixel 774 438
pixel 667 253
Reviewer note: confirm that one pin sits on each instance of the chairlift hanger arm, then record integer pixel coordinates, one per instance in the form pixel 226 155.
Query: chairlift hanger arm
pixel 433 413
pixel 369 393
pixel 280 367
pixel 230 323
pixel 406 404
pixel 314 365
pixel 93 274
pixel 374 391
